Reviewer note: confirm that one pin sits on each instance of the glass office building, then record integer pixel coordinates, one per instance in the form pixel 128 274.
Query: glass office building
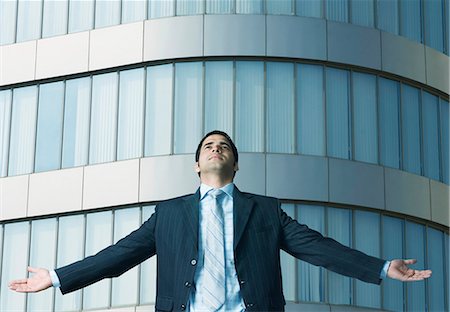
pixel 340 108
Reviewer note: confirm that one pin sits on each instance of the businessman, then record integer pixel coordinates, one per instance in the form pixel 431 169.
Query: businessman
pixel 219 249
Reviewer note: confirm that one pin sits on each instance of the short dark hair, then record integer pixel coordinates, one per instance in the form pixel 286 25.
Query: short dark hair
pixel 226 136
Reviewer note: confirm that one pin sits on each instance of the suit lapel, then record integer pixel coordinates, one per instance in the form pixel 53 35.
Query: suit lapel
pixel 191 211
pixel 242 207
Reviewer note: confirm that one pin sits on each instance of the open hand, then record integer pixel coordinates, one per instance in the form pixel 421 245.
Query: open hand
pixel 40 280
pixel 399 270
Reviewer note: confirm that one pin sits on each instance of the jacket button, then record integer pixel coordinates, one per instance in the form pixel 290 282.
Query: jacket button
pixel 183 307
pixel 242 282
pixel 187 284
pixel 193 262
pixel 250 305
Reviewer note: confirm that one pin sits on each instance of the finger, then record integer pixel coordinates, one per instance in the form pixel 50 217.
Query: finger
pixel 21 281
pixel 32 270
pixel 409 261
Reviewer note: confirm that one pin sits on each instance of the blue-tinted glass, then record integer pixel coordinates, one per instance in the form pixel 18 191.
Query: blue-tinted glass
pixel 311 8
pixel 411 129
pixel 415 249
pixel 81 15
pixel 392 242
pixel 219 6
pixel 133 10
pixel 337 95
pixel 434 24
pixel 445 139
pixel 365 118
pixel 279 7
pixel 23 131
pixel 280 107
pixel 388 97
pixel 249 6
pixel 107 13
pixel 337 10
pixel 5 122
pixel 55 18
pixel 430 135
pixel 49 128
pixel 29 20
pixel 362 12
pixel 8 15
pixel 310 110
pixel 190 7
pixel 76 122
pixel 161 8
pixel 410 19
pixel 436 258
pixel 387 16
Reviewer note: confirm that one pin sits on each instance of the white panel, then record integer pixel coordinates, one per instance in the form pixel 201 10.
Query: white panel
pixel 301 37
pixel 174 37
pixel 111 184
pixel 167 176
pixel 354 45
pixel 356 183
pixel 17 62
pixel 234 35
pixel 402 57
pixel 115 46
pixel 407 193
pixel 297 177
pixel 55 191
pixel 440 194
pixel 251 176
pixel 13 197
pixel 62 55
pixel 437 65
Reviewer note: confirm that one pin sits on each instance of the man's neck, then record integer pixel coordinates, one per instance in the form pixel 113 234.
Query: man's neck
pixel 215 181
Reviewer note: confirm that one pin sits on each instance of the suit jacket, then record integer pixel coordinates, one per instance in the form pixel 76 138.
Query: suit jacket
pixel 261 229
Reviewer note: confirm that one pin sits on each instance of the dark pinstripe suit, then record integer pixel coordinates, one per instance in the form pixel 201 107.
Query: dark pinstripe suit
pixel 261 229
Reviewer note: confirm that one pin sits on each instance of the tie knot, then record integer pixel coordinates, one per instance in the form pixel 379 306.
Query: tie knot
pixel 215 193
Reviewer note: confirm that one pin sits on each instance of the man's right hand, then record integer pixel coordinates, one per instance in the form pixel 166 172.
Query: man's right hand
pixel 40 280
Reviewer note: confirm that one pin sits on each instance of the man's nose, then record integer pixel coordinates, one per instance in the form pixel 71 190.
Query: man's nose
pixel 217 149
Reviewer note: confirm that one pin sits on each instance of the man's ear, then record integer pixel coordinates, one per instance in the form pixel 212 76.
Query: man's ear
pixel 197 167
pixel 236 166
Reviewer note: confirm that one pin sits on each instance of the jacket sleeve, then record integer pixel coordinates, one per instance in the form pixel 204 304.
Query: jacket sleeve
pixel 111 261
pixel 310 246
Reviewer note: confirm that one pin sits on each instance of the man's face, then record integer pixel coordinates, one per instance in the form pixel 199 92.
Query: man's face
pixel 216 156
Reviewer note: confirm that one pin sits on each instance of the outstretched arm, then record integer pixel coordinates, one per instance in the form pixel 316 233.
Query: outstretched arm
pixel 40 280
pixel 399 270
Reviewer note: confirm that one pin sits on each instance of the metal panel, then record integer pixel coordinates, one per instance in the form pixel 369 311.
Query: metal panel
pixel 13 197
pixel 251 176
pixel 440 194
pixel 437 69
pixel 17 62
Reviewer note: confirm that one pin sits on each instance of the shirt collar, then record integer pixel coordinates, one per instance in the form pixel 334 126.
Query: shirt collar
pixel 204 189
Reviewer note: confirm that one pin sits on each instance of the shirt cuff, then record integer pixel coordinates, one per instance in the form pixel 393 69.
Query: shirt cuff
pixel 55 279
pixel 383 273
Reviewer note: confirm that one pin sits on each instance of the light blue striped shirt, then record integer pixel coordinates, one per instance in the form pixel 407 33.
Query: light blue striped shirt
pixel 233 300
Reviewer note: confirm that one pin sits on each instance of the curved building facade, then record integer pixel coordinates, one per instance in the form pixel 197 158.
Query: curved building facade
pixel 338 108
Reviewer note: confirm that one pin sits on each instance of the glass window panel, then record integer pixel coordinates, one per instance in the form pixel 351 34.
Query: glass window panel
pixel 411 129
pixel 148 269
pixel 362 12
pixel 339 228
pixel 107 13
pixel 280 107
pixel 436 285
pixel 288 269
pixel 311 8
pixel 410 20
pixel 131 114
pixel 446 267
pixel 42 255
pixel 99 225
pixel 219 97
pixel 76 122
pixel 134 10
pixel 337 10
pixel 444 114
pixel 158 111
pixel 430 135
pixel 367 239
pixel 55 18
pixel 415 249
pixel 387 16
pixel 365 132
pixel 125 287
pixel 337 97
pixel 219 6
pixel 102 146
pixel 161 8
pixel 392 242
pixel 188 106
pixel 279 6
pixel 23 130
pixel 81 15
pixel 49 127
pixel 14 264
pixel 190 7
pixel 434 24
pixel 5 122
pixel 310 110
pixel 8 16
pixel 249 6
pixel 70 249
pixel 311 278
pixel 29 20
pixel 249 106
pixel 389 98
